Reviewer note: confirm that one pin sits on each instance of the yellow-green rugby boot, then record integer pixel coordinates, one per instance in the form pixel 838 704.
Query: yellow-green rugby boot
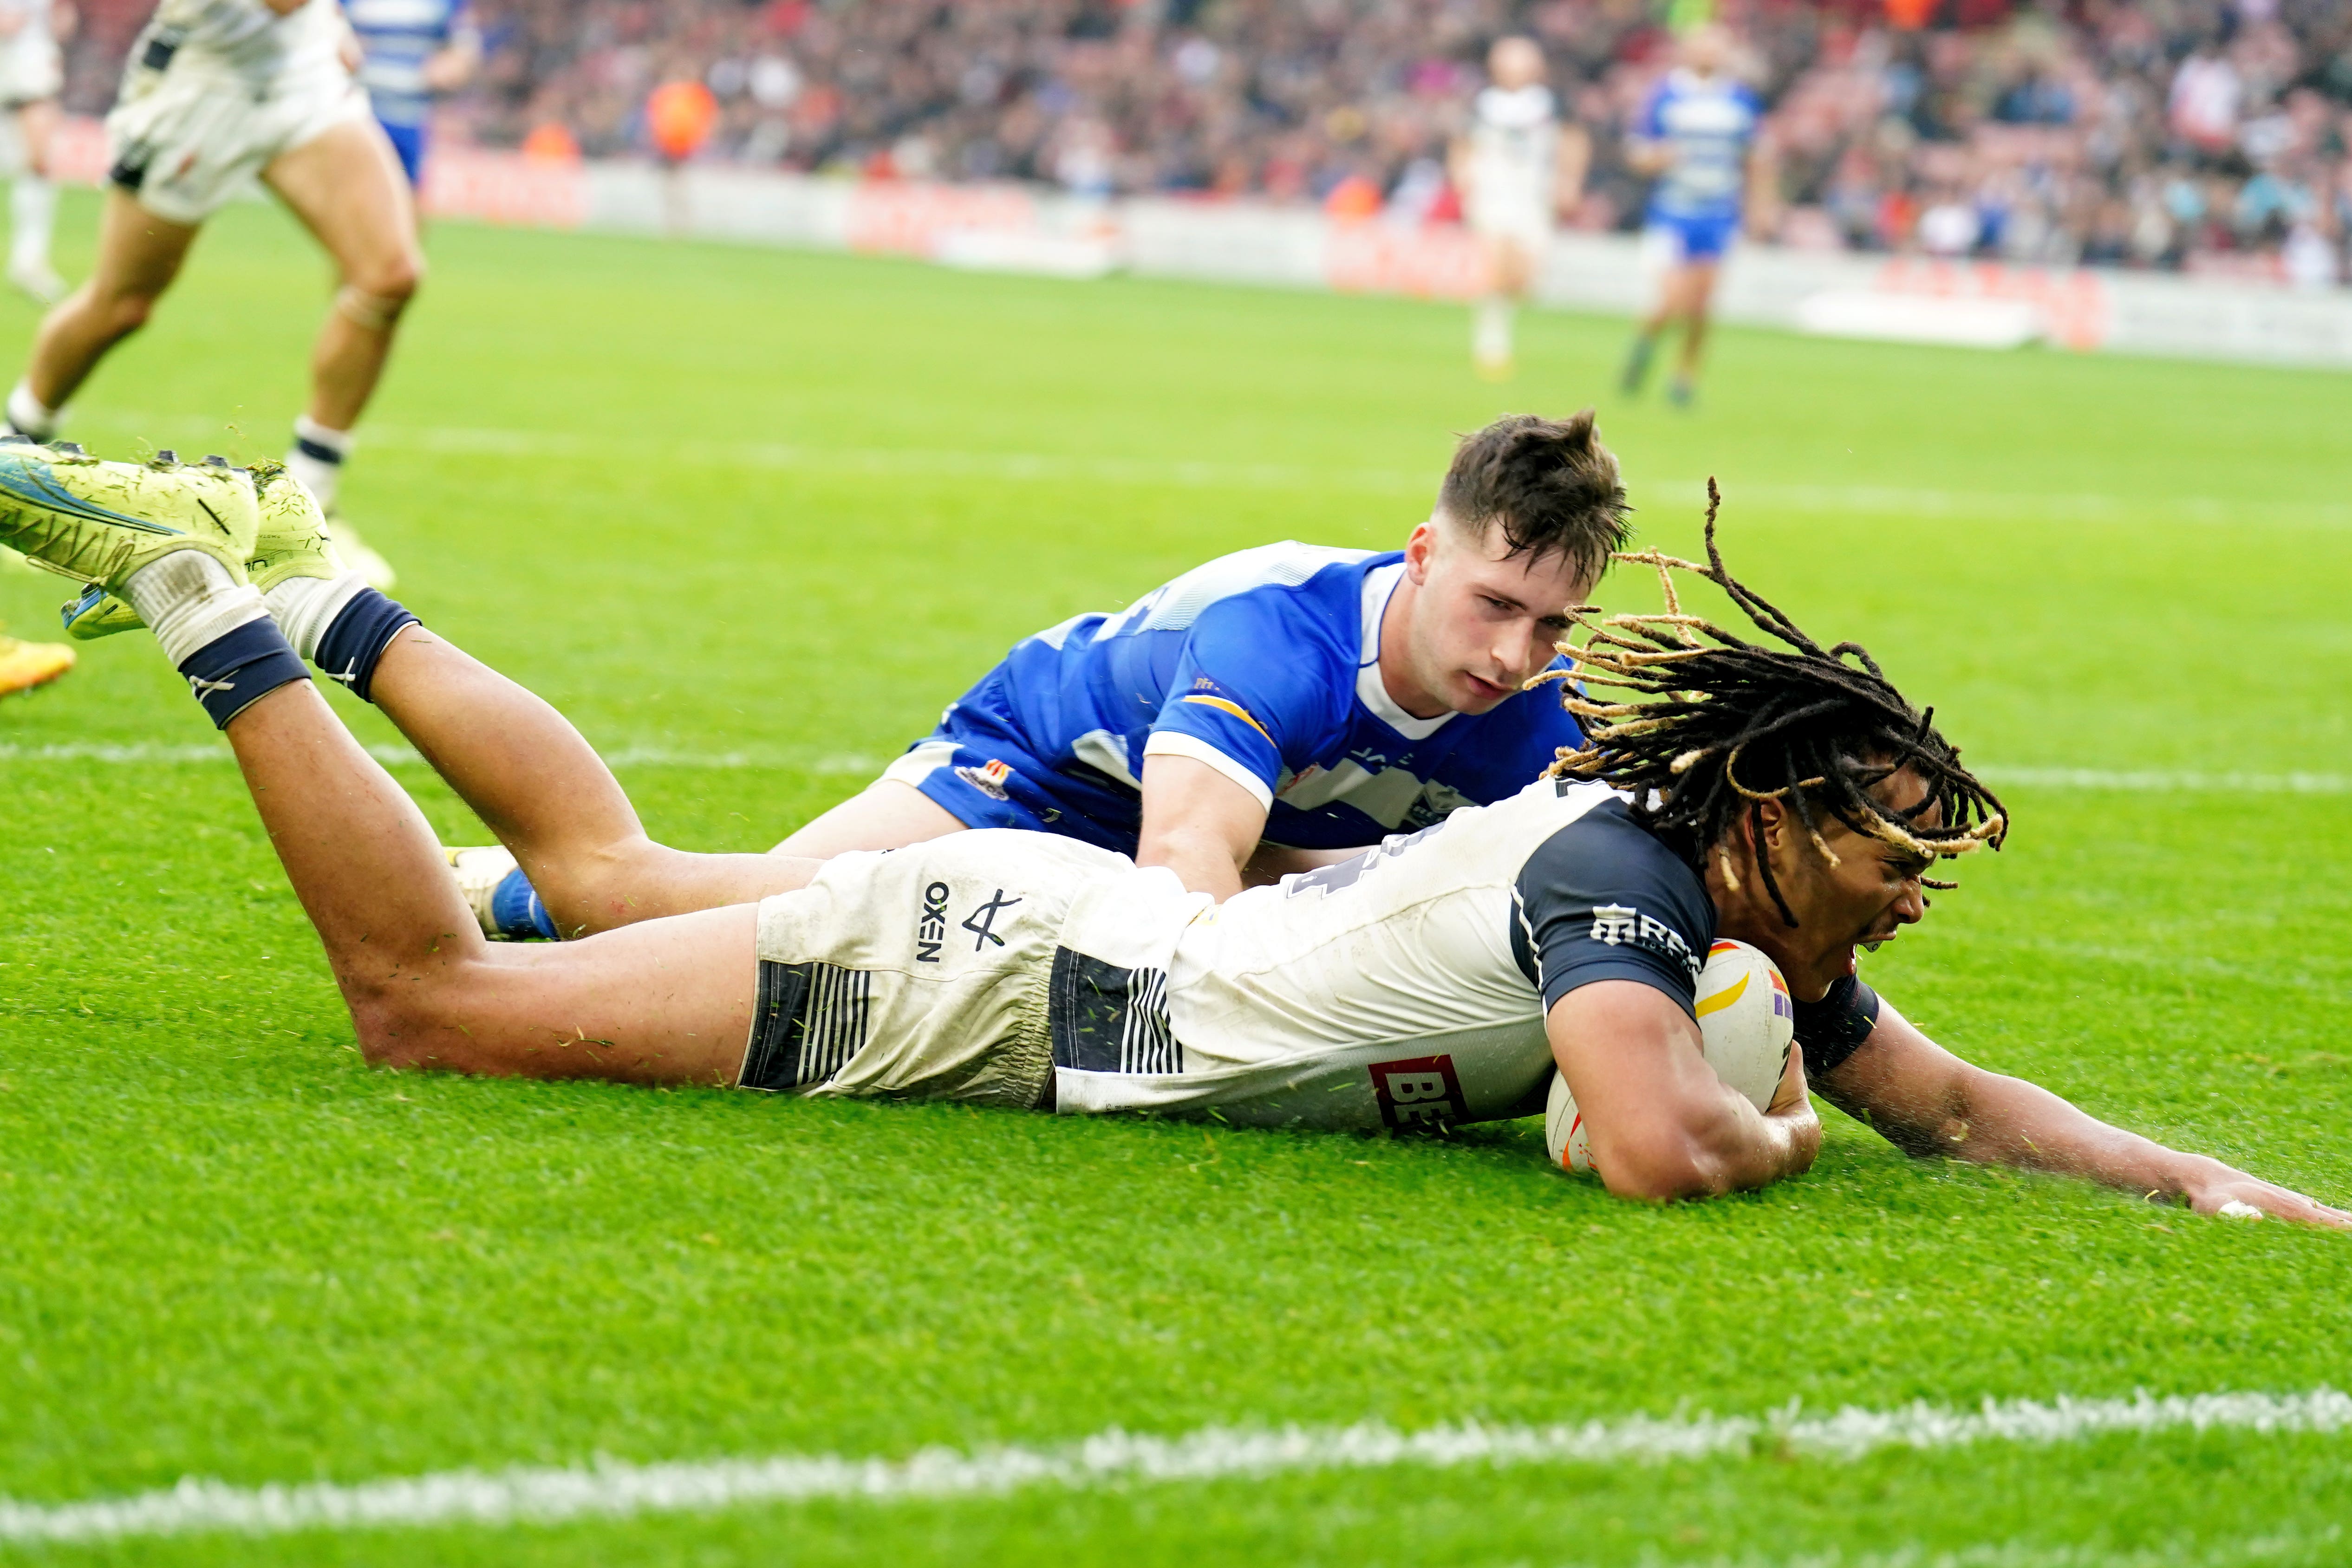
pixel 98 521
pixel 289 540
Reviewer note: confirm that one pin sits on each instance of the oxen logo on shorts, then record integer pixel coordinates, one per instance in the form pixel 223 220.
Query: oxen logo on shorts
pixel 1419 1092
pixel 989 780
pixel 931 929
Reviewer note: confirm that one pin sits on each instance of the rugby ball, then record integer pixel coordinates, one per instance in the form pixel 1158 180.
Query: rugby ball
pixel 1747 1025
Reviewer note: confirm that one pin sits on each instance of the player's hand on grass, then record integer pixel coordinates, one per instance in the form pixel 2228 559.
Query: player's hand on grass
pixel 2232 1192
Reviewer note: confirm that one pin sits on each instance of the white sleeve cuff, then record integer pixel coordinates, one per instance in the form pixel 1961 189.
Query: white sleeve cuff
pixel 1175 743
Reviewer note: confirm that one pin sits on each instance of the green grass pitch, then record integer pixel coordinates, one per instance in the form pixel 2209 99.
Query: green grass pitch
pixel 771 511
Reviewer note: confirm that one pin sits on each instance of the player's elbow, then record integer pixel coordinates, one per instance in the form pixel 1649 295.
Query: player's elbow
pixel 1677 1151
pixel 1663 1160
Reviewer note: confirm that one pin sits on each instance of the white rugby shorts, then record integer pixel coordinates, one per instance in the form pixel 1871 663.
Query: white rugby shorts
pixel 1513 217
pixel 184 141
pixel 926 972
pixel 29 70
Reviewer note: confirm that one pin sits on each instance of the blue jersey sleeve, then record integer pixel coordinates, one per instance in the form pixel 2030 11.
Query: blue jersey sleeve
pixel 1256 688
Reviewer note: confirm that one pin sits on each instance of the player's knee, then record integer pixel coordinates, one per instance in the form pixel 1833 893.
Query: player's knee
pixel 415 1019
pixel 375 295
pixel 388 1031
pixel 123 314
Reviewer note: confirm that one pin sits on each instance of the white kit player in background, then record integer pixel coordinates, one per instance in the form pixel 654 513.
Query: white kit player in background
pixel 30 76
pixel 1516 168
pixel 215 94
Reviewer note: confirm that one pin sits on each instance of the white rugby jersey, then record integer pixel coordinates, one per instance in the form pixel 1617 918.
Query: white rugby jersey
pixel 1513 134
pixel 240 38
pixel 1402 987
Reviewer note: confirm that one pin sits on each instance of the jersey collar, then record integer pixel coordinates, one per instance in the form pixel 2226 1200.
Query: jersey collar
pixel 1380 586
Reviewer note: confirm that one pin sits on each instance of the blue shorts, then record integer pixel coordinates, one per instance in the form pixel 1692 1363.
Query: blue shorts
pixel 979 768
pixel 408 141
pixel 1696 239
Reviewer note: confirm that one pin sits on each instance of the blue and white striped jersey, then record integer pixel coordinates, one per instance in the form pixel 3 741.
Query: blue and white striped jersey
pixel 1265 665
pixel 396 38
pixel 1708 123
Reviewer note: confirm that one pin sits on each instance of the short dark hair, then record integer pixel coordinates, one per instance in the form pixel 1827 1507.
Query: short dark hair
pixel 1550 485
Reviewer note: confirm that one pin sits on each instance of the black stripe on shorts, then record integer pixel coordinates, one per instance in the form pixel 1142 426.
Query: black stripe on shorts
pixel 1105 1019
pixel 809 1021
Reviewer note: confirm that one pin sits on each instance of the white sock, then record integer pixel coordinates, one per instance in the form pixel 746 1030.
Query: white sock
pixel 1490 334
pixel 188 600
pixel 317 458
pixel 28 415
pixel 304 607
pixel 32 213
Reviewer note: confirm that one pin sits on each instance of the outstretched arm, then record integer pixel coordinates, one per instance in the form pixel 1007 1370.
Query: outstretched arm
pixel 1926 1100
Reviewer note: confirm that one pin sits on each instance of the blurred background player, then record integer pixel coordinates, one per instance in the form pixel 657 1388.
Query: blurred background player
pixel 29 79
pixel 1516 167
pixel 412 52
pixel 1696 135
pixel 680 115
pixel 215 92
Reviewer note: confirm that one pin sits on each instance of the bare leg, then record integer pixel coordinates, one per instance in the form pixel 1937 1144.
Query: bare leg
pixel 666 1002
pixel 546 795
pixel 1697 290
pixel 885 815
pixel 347 187
pixel 1510 268
pixel 37 123
pixel 139 253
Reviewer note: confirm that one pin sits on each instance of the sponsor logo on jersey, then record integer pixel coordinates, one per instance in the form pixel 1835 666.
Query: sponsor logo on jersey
pixel 981 922
pixel 989 780
pixel 931 925
pixel 1419 1092
pixel 1622 925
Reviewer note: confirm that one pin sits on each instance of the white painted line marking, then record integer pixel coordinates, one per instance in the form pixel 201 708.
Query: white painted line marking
pixel 143 754
pixel 609 1488
pixel 2165 781
pixel 1027 467
pixel 2159 781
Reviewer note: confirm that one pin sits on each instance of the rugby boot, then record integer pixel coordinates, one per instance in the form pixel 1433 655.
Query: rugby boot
pixel 100 522
pixel 24 666
pixel 500 897
pixel 289 540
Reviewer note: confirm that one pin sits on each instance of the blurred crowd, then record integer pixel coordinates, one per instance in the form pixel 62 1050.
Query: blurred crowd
pixel 2197 134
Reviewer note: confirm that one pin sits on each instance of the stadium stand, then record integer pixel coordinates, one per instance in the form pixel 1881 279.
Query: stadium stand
pixel 2198 135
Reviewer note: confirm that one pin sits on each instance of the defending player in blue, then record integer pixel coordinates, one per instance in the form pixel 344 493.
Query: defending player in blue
pixel 1258 715
pixel 1697 134
pixel 410 52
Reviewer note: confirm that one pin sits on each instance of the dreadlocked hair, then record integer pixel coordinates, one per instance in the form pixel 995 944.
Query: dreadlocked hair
pixel 1717 726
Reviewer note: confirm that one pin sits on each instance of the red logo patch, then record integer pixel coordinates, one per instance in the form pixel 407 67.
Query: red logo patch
pixel 1419 1092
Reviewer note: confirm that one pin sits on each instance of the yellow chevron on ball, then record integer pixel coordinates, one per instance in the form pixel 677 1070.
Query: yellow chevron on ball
pixel 1747 1025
